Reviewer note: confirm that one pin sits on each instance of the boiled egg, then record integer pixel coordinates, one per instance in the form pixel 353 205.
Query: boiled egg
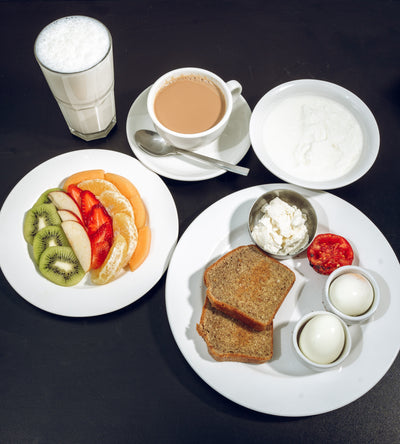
pixel 351 293
pixel 322 339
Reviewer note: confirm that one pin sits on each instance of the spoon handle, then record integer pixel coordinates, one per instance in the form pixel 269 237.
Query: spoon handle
pixel 224 165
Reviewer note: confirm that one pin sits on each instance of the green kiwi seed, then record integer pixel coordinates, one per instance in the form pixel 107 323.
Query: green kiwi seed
pixel 61 266
pixel 50 236
pixel 44 198
pixel 38 217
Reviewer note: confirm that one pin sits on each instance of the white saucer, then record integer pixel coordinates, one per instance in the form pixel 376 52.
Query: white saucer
pixel 231 146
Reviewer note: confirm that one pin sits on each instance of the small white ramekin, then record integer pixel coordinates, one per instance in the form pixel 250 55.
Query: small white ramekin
pixel 346 318
pixel 313 365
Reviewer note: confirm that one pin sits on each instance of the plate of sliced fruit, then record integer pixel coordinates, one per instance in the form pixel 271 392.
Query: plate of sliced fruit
pixel 88 240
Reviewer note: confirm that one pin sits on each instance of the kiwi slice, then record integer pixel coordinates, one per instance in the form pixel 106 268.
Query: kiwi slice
pixel 44 198
pixel 60 266
pixel 38 217
pixel 50 236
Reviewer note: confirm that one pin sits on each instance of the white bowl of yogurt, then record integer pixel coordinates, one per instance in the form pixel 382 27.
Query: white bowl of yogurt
pixel 314 134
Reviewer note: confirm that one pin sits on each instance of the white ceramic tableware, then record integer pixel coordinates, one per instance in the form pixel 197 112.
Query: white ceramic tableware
pixel 231 91
pixel 284 386
pixel 308 362
pixel 86 299
pixel 231 146
pixel 332 308
pixel 343 99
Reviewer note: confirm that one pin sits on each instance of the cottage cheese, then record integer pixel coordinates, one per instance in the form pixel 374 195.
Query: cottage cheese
pixel 281 230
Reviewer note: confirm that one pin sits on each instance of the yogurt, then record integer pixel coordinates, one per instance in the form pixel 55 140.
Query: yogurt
pixel 312 137
pixel 282 228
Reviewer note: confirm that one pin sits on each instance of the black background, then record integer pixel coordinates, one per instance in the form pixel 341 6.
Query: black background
pixel 120 377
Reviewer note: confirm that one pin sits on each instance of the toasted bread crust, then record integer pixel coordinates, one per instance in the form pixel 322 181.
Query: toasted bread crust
pixel 248 285
pixel 228 339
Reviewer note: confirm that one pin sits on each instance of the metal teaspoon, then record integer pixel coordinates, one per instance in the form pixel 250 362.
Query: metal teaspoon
pixel 152 143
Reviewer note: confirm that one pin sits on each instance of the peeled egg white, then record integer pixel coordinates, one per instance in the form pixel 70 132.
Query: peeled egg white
pixel 322 339
pixel 351 293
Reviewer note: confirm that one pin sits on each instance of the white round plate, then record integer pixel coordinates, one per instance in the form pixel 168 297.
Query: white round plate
pixel 331 91
pixel 230 147
pixel 285 386
pixel 86 299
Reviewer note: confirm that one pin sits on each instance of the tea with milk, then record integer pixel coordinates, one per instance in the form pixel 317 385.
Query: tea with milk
pixel 189 104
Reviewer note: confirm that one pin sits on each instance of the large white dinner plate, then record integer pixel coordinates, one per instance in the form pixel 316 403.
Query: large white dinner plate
pixel 86 299
pixel 231 146
pixel 284 386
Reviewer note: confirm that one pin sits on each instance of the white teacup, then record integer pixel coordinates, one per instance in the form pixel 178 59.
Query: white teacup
pixel 231 90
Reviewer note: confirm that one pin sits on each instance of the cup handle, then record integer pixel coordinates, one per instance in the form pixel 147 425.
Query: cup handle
pixel 235 88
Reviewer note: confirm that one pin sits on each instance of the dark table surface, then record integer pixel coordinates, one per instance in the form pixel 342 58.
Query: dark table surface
pixel 120 377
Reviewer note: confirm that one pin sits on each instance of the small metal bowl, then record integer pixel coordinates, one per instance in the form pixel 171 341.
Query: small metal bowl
pixel 292 198
pixel 349 320
pixel 311 364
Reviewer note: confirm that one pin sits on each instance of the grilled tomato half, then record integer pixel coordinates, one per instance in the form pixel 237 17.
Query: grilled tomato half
pixel 329 251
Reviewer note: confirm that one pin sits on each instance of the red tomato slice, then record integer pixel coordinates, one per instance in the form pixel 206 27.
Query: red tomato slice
pixel 329 251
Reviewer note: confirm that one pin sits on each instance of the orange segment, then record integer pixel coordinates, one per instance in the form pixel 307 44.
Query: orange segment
pixel 115 202
pixel 125 225
pixel 113 262
pixel 83 175
pixel 126 187
pixel 97 186
pixel 142 248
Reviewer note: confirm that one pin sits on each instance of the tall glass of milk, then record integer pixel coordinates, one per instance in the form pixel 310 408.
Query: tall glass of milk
pixel 76 57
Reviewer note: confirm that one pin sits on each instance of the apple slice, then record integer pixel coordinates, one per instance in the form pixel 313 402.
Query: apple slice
pixel 79 241
pixel 64 201
pixel 68 215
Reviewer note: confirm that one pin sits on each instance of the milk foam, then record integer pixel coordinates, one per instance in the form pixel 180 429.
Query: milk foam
pixel 72 44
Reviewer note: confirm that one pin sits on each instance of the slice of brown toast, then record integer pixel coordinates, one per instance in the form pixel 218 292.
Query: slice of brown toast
pixel 248 285
pixel 228 339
